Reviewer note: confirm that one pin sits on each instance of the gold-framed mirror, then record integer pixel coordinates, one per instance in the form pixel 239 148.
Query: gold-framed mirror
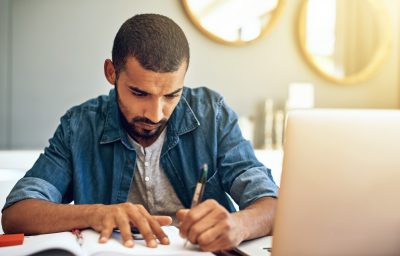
pixel 344 41
pixel 233 22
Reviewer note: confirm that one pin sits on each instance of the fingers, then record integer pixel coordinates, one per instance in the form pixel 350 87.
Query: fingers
pixel 120 220
pixel 203 225
pixel 144 228
pixel 122 216
pixel 209 225
pixel 108 227
pixel 180 214
pixel 219 244
pixel 163 220
pixel 156 223
pixel 148 226
pixel 159 233
pixel 194 215
pixel 219 237
pixel 125 230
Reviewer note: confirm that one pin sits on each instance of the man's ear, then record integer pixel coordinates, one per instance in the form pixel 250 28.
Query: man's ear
pixel 109 71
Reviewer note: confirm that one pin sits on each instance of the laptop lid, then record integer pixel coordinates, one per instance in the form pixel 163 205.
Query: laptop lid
pixel 340 186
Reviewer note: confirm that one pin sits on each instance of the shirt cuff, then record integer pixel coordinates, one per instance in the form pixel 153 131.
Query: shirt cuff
pixel 32 188
pixel 253 184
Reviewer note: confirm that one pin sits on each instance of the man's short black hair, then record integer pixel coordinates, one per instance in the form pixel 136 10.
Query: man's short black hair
pixel 156 41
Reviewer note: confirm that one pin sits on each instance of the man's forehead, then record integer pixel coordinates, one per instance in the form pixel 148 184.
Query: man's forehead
pixel 132 64
pixel 137 77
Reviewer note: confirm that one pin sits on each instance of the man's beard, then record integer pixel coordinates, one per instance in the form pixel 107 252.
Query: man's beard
pixel 137 132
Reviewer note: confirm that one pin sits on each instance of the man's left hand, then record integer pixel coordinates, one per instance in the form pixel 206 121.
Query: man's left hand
pixel 211 226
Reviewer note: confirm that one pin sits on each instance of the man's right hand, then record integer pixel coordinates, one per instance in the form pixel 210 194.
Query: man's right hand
pixel 105 218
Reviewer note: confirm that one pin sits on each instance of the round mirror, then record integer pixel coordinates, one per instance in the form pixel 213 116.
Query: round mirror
pixel 233 22
pixel 345 41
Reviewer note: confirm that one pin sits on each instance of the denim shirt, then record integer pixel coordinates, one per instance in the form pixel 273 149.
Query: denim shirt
pixel 90 159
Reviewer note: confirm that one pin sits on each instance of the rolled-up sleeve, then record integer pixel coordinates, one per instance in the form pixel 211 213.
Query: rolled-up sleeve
pixel 31 187
pixel 50 177
pixel 253 184
pixel 243 176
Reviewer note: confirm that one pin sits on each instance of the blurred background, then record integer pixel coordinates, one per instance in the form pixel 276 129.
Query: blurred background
pixel 288 54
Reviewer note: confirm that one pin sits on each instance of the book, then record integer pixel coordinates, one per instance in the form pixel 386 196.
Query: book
pixel 66 241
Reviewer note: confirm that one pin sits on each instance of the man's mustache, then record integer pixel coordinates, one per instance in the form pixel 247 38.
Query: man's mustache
pixel 147 121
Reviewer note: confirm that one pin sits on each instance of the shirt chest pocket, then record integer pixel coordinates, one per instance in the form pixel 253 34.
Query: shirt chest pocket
pixel 213 188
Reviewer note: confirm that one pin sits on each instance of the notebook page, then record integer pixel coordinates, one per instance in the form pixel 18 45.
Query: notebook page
pixel 33 244
pixel 114 245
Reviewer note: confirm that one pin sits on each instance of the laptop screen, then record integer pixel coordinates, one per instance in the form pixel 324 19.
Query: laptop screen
pixel 340 184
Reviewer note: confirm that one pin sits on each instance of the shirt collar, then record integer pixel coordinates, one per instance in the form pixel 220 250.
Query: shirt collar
pixel 112 125
pixel 182 120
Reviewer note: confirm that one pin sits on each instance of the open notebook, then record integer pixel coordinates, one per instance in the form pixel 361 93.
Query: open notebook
pixel 67 241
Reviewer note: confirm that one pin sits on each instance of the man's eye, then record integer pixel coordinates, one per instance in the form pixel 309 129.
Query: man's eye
pixel 139 94
pixel 172 96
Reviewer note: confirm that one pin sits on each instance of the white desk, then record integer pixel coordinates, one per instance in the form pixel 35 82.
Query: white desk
pixel 18 159
pixel 257 247
pixel 13 165
pixel 8 178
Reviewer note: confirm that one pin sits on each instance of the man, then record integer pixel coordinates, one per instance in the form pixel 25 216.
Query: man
pixel 134 157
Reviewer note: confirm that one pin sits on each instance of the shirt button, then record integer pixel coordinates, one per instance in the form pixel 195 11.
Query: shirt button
pixel 146 178
pixel 146 164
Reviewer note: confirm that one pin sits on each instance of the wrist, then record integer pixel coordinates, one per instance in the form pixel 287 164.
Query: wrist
pixel 89 214
pixel 244 232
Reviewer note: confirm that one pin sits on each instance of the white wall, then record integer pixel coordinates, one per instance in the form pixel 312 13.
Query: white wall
pixel 58 48
pixel 4 85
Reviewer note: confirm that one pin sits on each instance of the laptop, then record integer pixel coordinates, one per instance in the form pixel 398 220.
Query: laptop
pixel 340 185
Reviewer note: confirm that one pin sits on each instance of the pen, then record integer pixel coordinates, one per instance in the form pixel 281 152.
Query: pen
pixel 78 234
pixel 198 192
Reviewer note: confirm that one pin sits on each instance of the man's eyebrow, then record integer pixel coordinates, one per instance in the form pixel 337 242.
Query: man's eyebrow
pixel 174 92
pixel 133 88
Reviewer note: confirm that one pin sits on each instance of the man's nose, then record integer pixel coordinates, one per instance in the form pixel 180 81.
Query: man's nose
pixel 155 112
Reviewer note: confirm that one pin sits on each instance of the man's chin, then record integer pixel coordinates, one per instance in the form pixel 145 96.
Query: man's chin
pixel 146 134
pixel 149 134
